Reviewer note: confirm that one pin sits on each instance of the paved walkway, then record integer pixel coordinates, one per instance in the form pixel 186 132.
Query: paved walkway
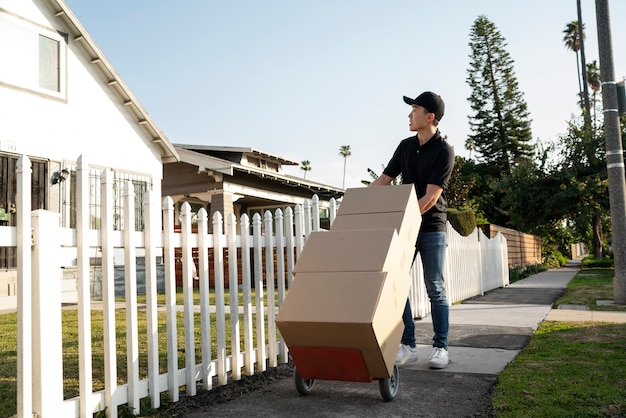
pixel 486 332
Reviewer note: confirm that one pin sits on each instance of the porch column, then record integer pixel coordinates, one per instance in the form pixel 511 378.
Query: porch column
pixel 222 203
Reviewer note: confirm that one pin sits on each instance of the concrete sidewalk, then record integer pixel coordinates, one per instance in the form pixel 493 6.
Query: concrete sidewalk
pixel 486 332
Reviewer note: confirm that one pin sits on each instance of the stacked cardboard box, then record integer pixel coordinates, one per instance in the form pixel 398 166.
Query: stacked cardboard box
pixel 342 317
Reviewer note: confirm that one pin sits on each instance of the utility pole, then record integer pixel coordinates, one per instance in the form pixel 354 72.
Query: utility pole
pixel 614 151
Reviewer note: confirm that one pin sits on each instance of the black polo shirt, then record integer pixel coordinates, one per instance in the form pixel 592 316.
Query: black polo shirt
pixel 431 163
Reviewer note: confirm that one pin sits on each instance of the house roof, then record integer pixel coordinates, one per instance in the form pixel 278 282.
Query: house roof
pixel 237 150
pixel 80 35
pixel 208 162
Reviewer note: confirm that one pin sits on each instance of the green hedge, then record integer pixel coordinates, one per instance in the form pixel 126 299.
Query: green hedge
pixel 462 220
pixel 591 262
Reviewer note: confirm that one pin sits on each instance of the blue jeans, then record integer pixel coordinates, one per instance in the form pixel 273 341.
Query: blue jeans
pixel 432 248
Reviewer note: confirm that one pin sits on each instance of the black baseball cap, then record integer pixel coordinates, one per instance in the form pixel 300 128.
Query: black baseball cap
pixel 429 101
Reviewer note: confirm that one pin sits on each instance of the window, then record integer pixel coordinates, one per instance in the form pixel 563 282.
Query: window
pixel 8 190
pixel 32 57
pixel 141 184
pixel 49 63
pixel 255 162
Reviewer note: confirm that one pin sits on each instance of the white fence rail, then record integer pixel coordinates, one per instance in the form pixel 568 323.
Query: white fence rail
pixel 268 248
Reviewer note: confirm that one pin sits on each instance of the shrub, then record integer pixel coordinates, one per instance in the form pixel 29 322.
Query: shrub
pixel 552 258
pixel 521 272
pixel 591 262
pixel 462 220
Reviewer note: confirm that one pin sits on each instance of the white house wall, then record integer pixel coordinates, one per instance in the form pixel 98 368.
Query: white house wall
pixel 90 121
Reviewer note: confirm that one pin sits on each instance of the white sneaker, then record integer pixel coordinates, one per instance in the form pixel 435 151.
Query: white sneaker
pixel 438 358
pixel 406 354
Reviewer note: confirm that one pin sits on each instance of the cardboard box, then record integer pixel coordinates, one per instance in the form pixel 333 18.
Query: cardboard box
pixel 381 207
pixel 342 316
pixel 379 199
pixel 377 250
pixel 354 311
pixel 406 224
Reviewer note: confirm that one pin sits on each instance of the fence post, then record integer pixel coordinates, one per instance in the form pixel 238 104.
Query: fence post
pixel 170 299
pixel 220 313
pixel 47 327
pixel 280 275
pixel 108 294
pixel 315 214
pixel 307 218
pixel 269 283
pixel 233 285
pixel 246 284
pixel 289 243
pixel 130 293
pixel 188 311
pixel 24 291
pixel 297 216
pixel 84 296
pixel 205 308
pixel 258 291
pixel 151 230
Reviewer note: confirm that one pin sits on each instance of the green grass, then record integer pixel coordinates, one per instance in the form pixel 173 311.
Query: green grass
pixel 570 369
pixel 589 286
pixel 8 350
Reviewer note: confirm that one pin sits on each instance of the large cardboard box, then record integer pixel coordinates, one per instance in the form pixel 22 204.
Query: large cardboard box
pixel 407 225
pixel 378 250
pixel 358 313
pixel 383 199
pixel 342 316
pixel 381 207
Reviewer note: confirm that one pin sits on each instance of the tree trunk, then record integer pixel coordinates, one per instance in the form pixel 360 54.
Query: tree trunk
pixel 597 237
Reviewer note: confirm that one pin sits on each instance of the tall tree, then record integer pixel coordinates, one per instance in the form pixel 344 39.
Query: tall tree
pixel 583 159
pixel 500 122
pixel 345 152
pixel 572 42
pixel 305 166
pixel 593 78
pixel 583 63
pixel 459 187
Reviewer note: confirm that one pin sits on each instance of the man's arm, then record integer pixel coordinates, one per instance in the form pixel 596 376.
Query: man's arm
pixel 382 180
pixel 430 198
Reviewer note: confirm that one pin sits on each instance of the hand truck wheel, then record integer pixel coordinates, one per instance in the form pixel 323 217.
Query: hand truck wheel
pixel 304 386
pixel 389 386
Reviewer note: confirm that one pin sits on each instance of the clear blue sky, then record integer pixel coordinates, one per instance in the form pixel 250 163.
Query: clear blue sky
pixel 300 79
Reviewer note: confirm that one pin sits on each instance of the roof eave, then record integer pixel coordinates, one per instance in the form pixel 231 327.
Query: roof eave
pixel 114 81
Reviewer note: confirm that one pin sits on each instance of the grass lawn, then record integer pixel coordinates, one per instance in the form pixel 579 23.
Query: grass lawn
pixel 8 348
pixel 570 369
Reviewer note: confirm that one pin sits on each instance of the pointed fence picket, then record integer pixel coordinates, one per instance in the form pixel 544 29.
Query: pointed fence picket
pixel 267 249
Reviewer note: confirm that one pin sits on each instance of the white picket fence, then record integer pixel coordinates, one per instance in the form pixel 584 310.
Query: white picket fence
pixel 475 264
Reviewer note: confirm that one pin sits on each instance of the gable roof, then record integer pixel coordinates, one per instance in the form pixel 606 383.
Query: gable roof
pixel 191 155
pixel 80 35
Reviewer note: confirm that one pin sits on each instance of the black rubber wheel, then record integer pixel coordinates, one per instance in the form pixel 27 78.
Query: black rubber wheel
pixel 389 386
pixel 304 386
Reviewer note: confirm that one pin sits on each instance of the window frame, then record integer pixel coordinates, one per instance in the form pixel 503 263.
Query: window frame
pixel 34 57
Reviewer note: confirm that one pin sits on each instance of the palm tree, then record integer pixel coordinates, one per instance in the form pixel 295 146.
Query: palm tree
pixel 593 78
pixel 305 166
pixel 344 151
pixel 572 41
